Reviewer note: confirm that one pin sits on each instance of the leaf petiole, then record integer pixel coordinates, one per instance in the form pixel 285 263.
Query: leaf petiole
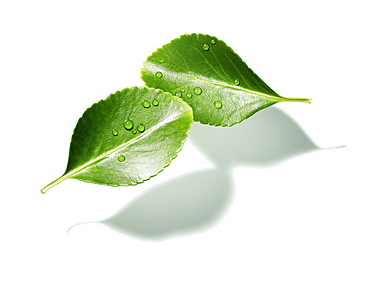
pixel 54 183
pixel 297 100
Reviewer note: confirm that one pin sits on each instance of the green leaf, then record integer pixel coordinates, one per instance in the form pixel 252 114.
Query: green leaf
pixel 127 138
pixel 211 78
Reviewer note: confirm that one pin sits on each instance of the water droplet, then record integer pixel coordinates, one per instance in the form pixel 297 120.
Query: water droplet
pixel 217 104
pixel 197 90
pixel 145 104
pixel 141 128
pixel 205 46
pixel 129 124
pixel 155 102
pixel 115 132
pixel 134 131
pixel 178 94
pixel 189 95
pixel 182 90
pixel 121 158
pixel 213 41
pixel 236 82
pixel 159 75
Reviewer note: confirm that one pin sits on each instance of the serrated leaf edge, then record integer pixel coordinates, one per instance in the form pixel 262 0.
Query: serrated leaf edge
pixel 70 174
pixel 277 98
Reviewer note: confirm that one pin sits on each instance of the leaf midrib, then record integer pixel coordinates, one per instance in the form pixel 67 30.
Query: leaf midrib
pixel 105 155
pixel 276 98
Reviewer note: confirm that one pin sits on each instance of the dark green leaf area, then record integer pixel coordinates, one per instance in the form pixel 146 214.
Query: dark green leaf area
pixel 211 78
pixel 128 137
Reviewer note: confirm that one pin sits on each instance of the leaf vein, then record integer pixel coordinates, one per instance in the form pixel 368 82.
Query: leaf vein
pixel 205 59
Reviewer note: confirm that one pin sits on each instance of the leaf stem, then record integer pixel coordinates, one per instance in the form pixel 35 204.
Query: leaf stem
pixel 53 183
pixel 298 100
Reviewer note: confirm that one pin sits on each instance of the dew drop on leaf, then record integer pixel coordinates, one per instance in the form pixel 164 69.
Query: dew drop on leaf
pixel 134 131
pixel 182 90
pixel 115 132
pixel 129 124
pixel 197 90
pixel 178 94
pixel 121 158
pixel 159 75
pixel 155 102
pixel 141 128
pixel 236 82
pixel 205 46
pixel 217 104
pixel 213 41
pixel 145 104
pixel 189 95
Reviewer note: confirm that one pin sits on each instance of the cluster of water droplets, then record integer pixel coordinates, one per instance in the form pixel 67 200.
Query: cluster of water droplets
pixel 148 104
pixel 207 47
pixel 197 90
pixel 128 125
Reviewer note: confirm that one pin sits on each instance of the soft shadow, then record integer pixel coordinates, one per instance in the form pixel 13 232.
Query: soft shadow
pixel 267 138
pixel 195 201
pixel 185 204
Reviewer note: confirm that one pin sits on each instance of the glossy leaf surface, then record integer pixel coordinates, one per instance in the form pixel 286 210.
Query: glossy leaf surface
pixel 127 138
pixel 221 89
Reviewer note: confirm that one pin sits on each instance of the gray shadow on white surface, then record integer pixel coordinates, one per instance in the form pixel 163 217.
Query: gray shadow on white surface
pixel 197 200
pixel 181 205
pixel 265 139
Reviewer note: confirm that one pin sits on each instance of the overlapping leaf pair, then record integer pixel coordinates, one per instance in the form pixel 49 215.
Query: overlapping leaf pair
pixel 135 133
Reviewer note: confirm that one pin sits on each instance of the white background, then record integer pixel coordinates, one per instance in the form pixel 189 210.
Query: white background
pixel 283 197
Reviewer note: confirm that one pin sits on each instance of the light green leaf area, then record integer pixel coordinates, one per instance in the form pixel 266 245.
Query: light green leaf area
pixel 127 138
pixel 221 89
